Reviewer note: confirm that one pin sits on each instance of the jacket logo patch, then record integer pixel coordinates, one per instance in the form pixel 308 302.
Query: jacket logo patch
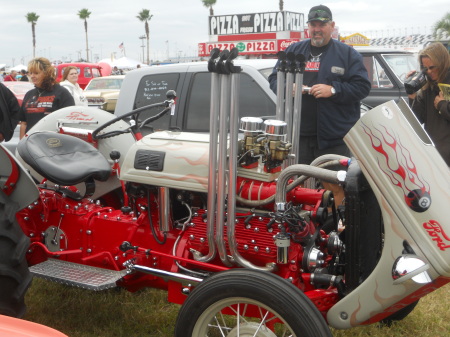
pixel 337 70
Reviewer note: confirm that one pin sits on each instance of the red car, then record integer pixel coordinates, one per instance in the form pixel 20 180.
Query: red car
pixel 19 88
pixel 86 71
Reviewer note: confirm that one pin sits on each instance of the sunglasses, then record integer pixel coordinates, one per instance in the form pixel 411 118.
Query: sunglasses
pixel 425 69
pixel 319 14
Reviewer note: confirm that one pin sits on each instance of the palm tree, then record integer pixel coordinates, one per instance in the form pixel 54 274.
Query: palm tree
pixel 32 18
pixel 145 16
pixel 442 26
pixel 209 4
pixel 281 4
pixel 84 15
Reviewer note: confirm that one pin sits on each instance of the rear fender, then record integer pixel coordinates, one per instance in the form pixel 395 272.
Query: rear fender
pixel 15 182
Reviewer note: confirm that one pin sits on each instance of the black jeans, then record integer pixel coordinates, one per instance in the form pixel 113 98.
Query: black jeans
pixel 309 150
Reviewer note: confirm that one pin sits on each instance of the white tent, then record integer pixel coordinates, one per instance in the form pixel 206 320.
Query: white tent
pixel 124 63
pixel 19 67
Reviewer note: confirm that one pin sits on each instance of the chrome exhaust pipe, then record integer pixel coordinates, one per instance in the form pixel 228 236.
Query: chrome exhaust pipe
pixel 212 173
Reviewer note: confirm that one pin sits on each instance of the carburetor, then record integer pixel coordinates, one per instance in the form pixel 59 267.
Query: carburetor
pixel 264 141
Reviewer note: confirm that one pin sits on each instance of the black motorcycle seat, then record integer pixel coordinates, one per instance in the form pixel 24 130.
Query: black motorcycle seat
pixel 63 159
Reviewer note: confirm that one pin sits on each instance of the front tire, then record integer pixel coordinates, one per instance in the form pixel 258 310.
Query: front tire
pixel 244 302
pixel 15 277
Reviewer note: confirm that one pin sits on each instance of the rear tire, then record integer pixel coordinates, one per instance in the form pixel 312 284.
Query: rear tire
pixel 15 277
pixel 206 312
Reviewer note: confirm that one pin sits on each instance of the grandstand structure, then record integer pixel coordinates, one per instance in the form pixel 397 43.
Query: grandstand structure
pixel 413 42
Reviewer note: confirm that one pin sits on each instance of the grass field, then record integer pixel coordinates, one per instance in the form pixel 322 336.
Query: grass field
pixel 118 313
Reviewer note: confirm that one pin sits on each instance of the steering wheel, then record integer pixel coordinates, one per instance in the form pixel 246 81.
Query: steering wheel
pixel 171 95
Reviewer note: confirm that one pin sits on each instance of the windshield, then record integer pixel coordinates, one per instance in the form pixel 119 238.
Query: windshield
pixel 105 84
pixel 401 64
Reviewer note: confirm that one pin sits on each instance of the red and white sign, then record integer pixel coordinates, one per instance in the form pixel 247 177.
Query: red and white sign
pixel 247 47
pixel 283 44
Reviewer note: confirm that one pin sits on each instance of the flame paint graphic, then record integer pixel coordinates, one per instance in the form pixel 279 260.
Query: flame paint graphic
pixel 396 162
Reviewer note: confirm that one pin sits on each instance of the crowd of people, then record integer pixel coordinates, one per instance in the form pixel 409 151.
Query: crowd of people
pixel 334 72
pixel 15 76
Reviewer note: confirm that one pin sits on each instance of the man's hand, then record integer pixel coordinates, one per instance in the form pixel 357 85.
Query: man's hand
pixel 321 91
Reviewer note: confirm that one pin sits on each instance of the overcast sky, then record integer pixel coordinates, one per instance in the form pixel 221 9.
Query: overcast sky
pixel 178 25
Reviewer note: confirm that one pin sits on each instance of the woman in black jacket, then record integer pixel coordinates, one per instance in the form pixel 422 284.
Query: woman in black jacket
pixel 429 104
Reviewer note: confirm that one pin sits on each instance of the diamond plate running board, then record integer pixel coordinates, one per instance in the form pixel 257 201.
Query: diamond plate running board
pixel 77 275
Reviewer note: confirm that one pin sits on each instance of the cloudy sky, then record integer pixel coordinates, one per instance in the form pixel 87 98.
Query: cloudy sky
pixel 178 25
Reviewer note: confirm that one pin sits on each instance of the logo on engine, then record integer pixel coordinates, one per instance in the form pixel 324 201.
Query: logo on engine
pixel 437 234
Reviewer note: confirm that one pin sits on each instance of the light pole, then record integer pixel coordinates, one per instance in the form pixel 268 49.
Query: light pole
pixel 143 37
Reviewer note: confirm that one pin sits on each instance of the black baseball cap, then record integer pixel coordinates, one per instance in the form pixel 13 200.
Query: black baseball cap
pixel 320 13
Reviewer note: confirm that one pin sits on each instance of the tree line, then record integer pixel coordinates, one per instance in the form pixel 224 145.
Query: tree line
pixel 84 14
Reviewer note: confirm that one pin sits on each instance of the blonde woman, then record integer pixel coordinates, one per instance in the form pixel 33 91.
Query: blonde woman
pixel 429 104
pixel 70 82
pixel 46 97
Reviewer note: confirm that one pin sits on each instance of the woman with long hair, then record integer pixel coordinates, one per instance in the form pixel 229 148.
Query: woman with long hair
pixel 46 97
pixel 429 104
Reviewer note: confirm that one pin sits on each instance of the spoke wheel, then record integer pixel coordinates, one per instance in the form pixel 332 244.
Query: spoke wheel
pixel 244 303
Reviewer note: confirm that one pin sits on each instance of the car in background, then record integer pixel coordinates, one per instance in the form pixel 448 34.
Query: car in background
pixel 19 89
pixel 387 69
pixel 100 89
pixel 86 72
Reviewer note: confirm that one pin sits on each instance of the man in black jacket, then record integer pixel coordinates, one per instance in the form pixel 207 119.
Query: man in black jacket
pixel 338 80
pixel 9 109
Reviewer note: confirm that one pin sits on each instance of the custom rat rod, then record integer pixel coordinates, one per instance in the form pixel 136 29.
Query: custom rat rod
pixel 248 242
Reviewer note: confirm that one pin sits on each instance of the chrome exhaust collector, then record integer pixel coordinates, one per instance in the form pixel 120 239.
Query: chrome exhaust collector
pixel 228 121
